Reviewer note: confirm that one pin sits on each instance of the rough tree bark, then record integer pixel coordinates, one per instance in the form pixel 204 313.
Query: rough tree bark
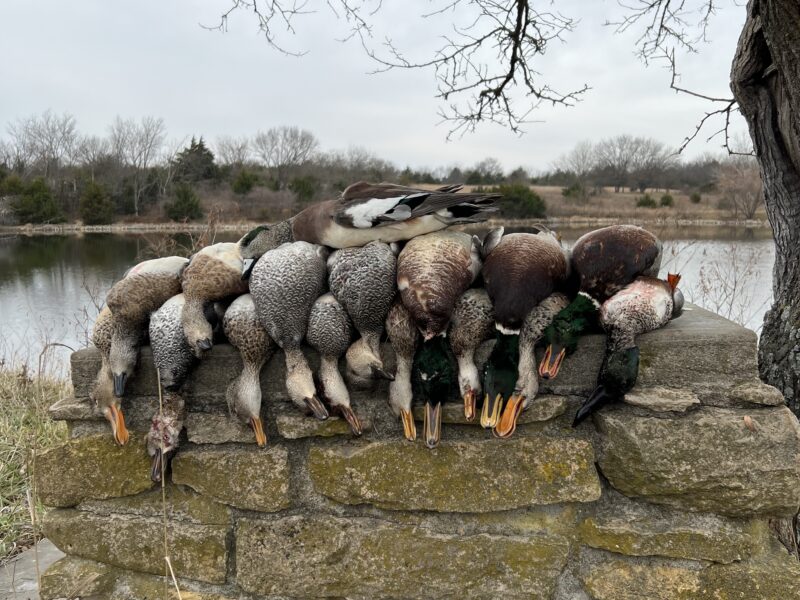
pixel 765 80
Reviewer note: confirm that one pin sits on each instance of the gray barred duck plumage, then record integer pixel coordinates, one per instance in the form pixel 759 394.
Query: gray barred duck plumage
pixel 404 338
pixel 285 283
pixel 246 333
pixel 329 333
pixel 363 281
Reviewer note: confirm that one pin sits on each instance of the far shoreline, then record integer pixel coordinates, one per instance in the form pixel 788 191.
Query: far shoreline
pixel 243 227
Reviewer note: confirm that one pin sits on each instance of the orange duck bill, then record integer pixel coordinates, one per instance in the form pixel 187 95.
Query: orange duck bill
pixel 490 413
pixel 508 421
pixel 258 429
pixel 551 362
pixel 409 428
pixel 117 420
pixel 470 405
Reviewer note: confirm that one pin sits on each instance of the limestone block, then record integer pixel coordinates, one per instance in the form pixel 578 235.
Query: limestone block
pixel 543 408
pixel 293 425
pixel 756 392
pixel 256 479
pixel 73 578
pixel 661 399
pixel 638 529
pixel 137 543
pixel 92 467
pixel 708 460
pixel 209 428
pixel 366 558
pixel 468 476
pixel 770 576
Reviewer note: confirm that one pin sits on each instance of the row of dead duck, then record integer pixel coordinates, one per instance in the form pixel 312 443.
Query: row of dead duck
pixel 437 299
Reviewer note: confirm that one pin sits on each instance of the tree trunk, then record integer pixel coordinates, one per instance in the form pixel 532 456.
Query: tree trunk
pixel 765 79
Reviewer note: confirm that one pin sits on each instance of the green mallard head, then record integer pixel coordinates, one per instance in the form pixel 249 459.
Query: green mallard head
pixel 499 377
pixel 562 335
pixel 434 379
pixel 617 377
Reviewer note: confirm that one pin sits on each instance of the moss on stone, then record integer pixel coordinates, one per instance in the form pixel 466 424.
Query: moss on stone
pixel 253 480
pixel 468 476
pixel 92 467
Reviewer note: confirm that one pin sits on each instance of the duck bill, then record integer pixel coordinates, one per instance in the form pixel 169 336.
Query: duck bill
pixel 316 407
pixel 380 373
pixel 159 464
pixel 247 267
pixel 204 344
pixel 409 428
pixel 470 404
pixel 551 362
pixel 490 414
pixel 433 424
pixel 352 420
pixel 258 429
pixel 599 398
pixel 119 384
pixel 118 429
pixel 508 422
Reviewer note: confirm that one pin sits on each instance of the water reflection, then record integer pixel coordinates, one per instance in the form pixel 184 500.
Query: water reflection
pixel 48 284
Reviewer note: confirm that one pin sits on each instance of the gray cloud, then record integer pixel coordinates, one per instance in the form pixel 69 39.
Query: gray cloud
pixel 97 59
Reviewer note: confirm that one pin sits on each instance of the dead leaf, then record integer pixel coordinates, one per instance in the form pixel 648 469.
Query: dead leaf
pixel 748 422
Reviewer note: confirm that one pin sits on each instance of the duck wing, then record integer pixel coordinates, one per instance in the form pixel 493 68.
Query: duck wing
pixel 364 205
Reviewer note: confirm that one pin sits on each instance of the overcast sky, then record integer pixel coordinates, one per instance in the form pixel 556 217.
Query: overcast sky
pixel 97 59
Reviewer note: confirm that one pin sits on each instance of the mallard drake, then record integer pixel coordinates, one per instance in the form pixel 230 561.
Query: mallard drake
pixel 433 270
pixel 246 333
pixel 164 435
pixel 404 338
pixel 260 240
pixel 329 333
pixel 521 272
pixel 472 324
pixel 364 281
pixel 102 391
pixel 644 305
pixel 172 355
pixel 214 273
pixel 141 291
pixel 387 212
pixel 603 262
pixel 285 283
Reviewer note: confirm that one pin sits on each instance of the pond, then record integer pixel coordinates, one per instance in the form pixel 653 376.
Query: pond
pixel 51 285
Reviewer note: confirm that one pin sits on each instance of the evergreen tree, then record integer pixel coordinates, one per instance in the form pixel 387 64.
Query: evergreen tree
pixel 185 206
pixel 36 204
pixel 96 206
pixel 195 163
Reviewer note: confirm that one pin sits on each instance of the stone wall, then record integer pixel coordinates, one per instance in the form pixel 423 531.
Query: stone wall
pixel 666 496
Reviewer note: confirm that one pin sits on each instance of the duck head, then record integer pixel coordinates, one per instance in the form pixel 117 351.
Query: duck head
pixel 617 377
pixel 162 441
pixel 499 377
pixel 260 240
pixel 198 332
pixel 677 295
pixel 300 384
pixel 109 405
pixel 562 335
pixel 122 357
pixel 434 375
pixel 364 364
pixel 244 400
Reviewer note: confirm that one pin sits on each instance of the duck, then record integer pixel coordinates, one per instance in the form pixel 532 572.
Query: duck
pixel 404 338
pixel 329 333
pixel 260 240
pixel 433 270
pixel 471 324
pixel 388 212
pixel 603 261
pixel 246 333
pixel 523 274
pixel 364 282
pixel 102 390
pixel 163 438
pixel 141 291
pixel 214 273
pixel 285 283
pixel 644 305
pixel 172 354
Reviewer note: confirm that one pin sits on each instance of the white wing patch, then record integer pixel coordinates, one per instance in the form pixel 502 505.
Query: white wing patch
pixel 364 213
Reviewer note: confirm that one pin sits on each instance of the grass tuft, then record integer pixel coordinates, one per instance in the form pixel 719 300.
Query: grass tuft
pixel 25 426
